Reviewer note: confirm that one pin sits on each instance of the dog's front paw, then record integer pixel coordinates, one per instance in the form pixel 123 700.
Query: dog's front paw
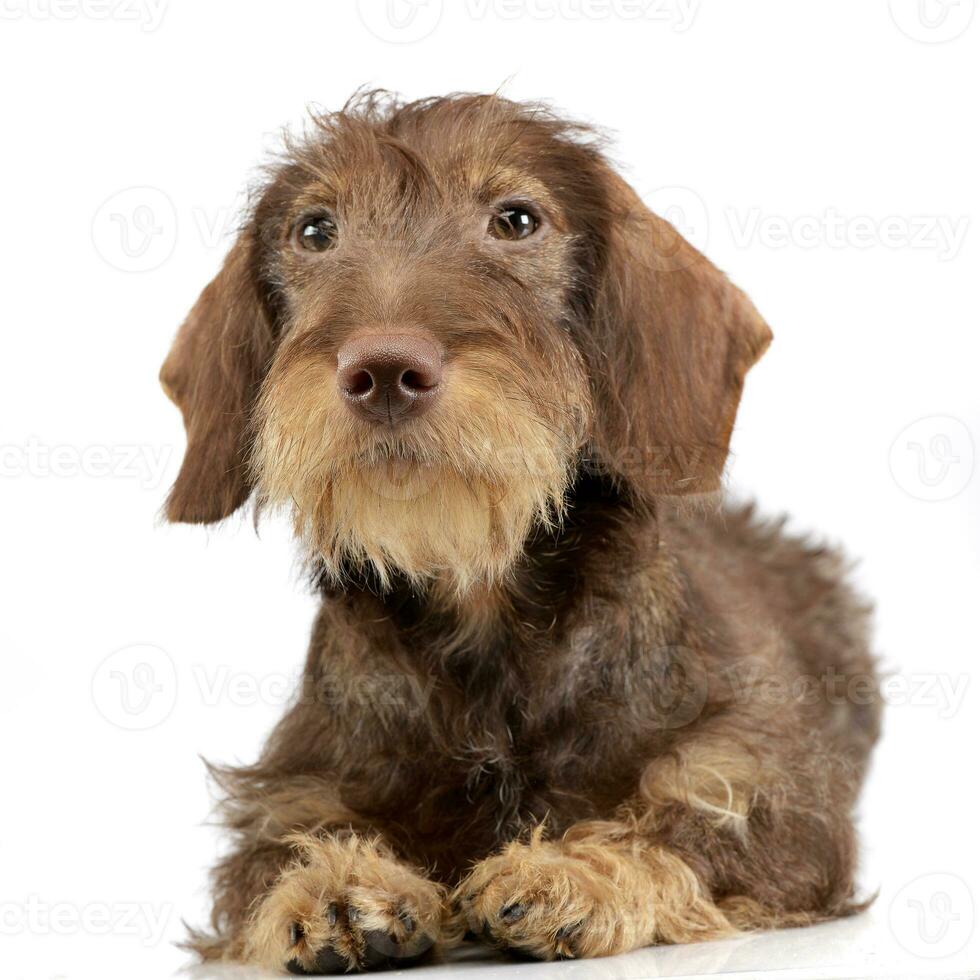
pixel 346 904
pixel 547 902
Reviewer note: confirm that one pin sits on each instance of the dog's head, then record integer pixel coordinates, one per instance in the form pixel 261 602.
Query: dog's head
pixel 434 315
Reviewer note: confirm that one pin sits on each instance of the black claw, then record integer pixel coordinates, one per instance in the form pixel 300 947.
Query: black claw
pixel 564 933
pixel 326 962
pixel 408 923
pixel 380 950
pixel 512 912
pixel 331 914
pixel 353 914
pixel 295 933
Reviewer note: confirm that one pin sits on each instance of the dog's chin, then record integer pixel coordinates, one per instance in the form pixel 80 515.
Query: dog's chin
pixel 426 521
pixel 461 519
pixel 419 520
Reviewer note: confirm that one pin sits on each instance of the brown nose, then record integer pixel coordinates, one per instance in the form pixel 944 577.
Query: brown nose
pixel 389 377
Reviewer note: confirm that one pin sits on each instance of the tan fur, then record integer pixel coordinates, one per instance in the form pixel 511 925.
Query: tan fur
pixel 455 497
pixel 586 896
pixel 711 776
pixel 349 894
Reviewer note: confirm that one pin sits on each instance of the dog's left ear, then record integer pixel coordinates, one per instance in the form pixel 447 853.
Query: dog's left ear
pixel 212 374
pixel 671 344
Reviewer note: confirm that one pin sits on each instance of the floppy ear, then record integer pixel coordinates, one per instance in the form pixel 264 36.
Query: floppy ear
pixel 673 340
pixel 212 374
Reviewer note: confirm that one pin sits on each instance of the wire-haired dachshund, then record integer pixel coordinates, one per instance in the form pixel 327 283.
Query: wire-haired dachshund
pixel 558 698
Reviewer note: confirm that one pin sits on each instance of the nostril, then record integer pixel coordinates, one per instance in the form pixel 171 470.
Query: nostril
pixel 359 382
pixel 416 381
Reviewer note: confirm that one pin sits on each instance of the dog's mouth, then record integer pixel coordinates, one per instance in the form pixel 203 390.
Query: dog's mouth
pixel 382 448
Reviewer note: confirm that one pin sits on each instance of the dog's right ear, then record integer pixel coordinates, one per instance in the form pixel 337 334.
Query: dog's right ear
pixel 672 343
pixel 212 374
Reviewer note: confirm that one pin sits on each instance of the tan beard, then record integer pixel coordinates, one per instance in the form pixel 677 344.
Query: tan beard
pixel 451 497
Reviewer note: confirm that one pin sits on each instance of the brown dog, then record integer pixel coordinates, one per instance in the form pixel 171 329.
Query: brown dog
pixel 544 703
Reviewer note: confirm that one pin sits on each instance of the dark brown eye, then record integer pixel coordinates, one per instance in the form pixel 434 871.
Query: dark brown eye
pixel 512 223
pixel 315 234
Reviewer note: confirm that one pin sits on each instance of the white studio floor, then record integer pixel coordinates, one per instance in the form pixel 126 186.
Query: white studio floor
pixel 923 924
pixel 863 948
pixel 925 928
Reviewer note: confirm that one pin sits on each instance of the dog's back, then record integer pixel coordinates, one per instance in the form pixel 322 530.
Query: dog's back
pixel 792 600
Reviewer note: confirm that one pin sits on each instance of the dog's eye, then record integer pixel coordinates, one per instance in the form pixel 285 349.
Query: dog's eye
pixel 315 234
pixel 512 223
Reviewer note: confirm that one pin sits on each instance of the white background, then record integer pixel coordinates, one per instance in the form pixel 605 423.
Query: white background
pixel 824 154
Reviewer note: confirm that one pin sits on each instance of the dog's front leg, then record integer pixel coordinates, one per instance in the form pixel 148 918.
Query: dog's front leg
pixel 596 896
pixel 714 843
pixel 344 903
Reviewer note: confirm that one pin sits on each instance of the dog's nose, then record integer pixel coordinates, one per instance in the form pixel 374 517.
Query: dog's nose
pixel 389 377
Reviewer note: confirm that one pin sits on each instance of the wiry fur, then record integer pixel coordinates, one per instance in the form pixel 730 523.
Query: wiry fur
pixel 545 701
pixel 455 496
